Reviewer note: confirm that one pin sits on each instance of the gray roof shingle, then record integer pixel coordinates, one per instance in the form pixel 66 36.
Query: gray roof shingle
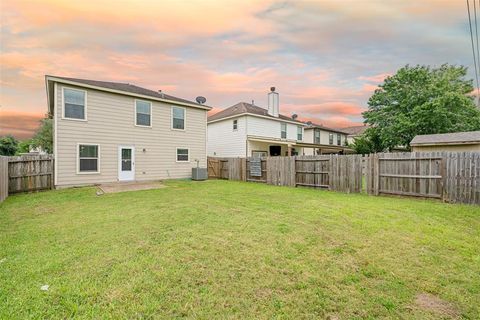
pixel 243 107
pixel 447 138
pixel 129 88
pixel 355 130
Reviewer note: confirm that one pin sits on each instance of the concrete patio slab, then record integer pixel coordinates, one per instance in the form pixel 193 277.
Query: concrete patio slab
pixel 129 186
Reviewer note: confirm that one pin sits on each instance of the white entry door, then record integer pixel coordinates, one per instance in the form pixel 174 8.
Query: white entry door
pixel 126 163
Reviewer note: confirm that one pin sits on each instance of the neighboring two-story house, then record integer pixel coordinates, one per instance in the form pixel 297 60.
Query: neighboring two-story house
pixel 108 131
pixel 325 140
pixel 245 130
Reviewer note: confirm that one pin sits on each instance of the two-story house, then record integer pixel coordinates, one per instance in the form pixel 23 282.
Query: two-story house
pixel 245 130
pixel 325 140
pixel 108 131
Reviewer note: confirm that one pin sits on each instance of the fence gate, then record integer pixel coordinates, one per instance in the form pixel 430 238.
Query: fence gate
pixel 217 168
pixel 407 175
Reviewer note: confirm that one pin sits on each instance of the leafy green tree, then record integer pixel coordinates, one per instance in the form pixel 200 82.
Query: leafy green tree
pixel 8 145
pixel 24 146
pixel 422 100
pixel 44 136
pixel 368 142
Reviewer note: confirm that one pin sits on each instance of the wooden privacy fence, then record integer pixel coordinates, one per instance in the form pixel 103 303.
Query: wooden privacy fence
pixel 450 176
pixel 3 178
pixel 25 173
pixel 334 172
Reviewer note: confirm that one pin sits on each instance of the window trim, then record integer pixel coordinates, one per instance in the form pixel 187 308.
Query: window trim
pixel 330 138
pixel 235 125
pixel 135 113
pixel 98 158
pixel 281 130
pixel 260 151
pixel 301 130
pixel 184 119
pixel 315 131
pixel 176 154
pixel 339 139
pixel 63 104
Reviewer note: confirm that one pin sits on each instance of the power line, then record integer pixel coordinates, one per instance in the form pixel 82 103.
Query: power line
pixel 473 48
pixel 476 34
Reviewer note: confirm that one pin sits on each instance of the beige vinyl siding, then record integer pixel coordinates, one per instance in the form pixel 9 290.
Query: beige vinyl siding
pixel 111 123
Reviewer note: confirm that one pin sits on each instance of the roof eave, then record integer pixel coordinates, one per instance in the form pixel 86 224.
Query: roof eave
pixel 426 144
pixel 259 116
pixel 79 84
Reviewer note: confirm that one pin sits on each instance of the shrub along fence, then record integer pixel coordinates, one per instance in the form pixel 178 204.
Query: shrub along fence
pixel 25 173
pixel 449 176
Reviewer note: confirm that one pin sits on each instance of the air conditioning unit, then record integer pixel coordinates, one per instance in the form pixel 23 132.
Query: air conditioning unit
pixel 199 174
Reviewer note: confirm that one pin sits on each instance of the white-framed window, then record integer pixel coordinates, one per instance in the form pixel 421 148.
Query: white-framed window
pixel 317 136
pixel 74 104
pixel 330 138
pixel 178 118
pixel 88 158
pixel 235 125
pixel 283 130
pixel 299 133
pixel 339 139
pixel 143 113
pixel 183 155
pixel 259 154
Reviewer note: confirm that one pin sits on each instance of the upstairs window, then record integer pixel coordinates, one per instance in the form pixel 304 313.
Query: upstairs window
pixel 182 155
pixel 143 113
pixel 339 139
pixel 330 138
pixel 178 118
pixel 283 130
pixel 299 133
pixel 317 136
pixel 74 104
pixel 235 125
pixel 88 158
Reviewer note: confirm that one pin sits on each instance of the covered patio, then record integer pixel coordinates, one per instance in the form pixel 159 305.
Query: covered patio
pixel 264 147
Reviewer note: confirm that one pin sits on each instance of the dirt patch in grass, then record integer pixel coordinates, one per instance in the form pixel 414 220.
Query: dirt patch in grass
pixel 434 304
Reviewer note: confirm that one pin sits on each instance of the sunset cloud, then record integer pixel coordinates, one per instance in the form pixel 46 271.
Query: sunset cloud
pixel 326 58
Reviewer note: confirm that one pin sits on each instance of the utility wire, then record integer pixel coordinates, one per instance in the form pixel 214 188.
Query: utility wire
pixel 473 48
pixel 476 34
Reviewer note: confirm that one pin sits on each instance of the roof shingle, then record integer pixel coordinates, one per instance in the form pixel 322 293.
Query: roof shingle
pixel 130 88
pixel 243 107
pixel 447 138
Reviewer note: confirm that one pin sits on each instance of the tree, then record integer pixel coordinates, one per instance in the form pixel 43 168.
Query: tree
pixel 43 138
pixel 24 146
pixel 422 100
pixel 8 145
pixel 368 142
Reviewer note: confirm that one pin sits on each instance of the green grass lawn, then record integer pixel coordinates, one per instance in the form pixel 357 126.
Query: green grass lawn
pixel 223 249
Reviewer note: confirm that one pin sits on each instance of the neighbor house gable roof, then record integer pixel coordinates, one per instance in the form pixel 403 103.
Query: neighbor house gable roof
pixel 242 108
pixel 447 138
pixel 125 88
pixel 355 130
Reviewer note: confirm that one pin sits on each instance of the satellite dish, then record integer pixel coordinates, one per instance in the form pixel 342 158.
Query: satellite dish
pixel 201 100
pixel 294 116
pixel 309 123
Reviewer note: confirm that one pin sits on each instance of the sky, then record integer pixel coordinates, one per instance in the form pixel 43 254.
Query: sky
pixel 324 57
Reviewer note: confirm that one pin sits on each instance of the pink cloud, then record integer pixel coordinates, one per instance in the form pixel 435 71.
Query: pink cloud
pixel 378 78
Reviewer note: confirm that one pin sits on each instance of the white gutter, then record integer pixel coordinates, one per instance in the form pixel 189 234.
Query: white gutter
pixel 259 116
